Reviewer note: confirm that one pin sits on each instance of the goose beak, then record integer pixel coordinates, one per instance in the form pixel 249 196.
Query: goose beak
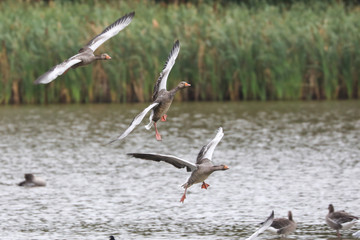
pixel 226 167
pixel 187 85
pixel 108 57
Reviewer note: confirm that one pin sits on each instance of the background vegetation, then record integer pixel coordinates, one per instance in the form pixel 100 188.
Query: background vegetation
pixel 258 51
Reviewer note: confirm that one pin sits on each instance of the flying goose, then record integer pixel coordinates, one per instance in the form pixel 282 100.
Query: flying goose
pixel 161 98
pixel 339 220
pixel 86 54
pixel 200 170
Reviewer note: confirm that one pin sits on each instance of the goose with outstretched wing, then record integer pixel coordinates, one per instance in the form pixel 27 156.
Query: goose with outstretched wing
pixel 86 54
pixel 161 98
pixel 265 225
pixel 340 220
pixel 200 170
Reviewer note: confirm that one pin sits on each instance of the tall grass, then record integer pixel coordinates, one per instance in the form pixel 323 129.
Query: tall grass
pixel 227 53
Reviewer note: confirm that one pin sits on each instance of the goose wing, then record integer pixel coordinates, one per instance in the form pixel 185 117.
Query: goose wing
pixel 161 82
pixel 341 217
pixel 357 234
pixel 265 225
pixel 110 31
pixel 175 161
pixel 207 151
pixel 58 70
pixel 136 121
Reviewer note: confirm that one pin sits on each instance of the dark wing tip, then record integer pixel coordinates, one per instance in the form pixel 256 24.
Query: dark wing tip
pixel 128 16
pixel 37 81
pixel 132 14
pixel 111 141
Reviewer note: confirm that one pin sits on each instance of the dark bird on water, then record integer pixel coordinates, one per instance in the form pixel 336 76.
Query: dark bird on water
pixel 32 181
pixel 86 54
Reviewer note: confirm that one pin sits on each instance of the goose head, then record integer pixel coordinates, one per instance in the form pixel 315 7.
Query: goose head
pixel 182 85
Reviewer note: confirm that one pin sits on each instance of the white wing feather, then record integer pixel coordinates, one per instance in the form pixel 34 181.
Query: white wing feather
pixel 357 234
pixel 264 226
pixel 110 31
pixel 209 149
pixel 169 65
pixel 56 71
pixel 136 121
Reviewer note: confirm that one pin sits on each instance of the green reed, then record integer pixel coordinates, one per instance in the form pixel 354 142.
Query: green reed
pixel 227 53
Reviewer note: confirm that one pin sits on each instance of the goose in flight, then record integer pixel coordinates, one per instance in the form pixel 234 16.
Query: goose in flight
pixel 161 98
pixel 339 220
pixel 201 170
pixel 86 54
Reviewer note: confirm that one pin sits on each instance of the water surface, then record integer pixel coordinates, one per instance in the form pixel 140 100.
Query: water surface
pixel 297 156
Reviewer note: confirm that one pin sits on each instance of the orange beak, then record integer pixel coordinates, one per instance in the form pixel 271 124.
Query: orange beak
pixel 108 57
pixel 187 85
pixel 226 167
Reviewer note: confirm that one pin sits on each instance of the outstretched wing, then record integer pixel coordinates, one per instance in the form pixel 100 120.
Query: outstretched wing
pixel 175 161
pixel 207 151
pixel 56 71
pixel 110 31
pixel 357 234
pixel 136 121
pixel 265 225
pixel 161 82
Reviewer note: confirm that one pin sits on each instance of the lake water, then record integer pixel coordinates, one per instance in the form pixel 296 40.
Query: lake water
pixel 297 156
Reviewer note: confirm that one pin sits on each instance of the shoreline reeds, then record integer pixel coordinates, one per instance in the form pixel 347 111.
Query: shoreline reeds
pixel 227 53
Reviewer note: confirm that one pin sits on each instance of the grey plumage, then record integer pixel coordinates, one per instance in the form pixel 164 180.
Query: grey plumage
pixel 86 54
pixel 199 171
pixel 339 219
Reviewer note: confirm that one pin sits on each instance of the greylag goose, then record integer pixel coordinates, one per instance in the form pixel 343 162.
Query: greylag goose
pixel 339 220
pixel 161 98
pixel 86 54
pixel 283 226
pixel 265 225
pixel 200 170
pixel 32 181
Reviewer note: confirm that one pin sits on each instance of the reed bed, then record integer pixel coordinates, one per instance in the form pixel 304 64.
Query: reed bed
pixel 235 52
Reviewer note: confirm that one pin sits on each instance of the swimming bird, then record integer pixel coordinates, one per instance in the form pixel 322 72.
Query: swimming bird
pixel 161 98
pixel 32 181
pixel 339 220
pixel 283 226
pixel 265 225
pixel 86 54
pixel 200 170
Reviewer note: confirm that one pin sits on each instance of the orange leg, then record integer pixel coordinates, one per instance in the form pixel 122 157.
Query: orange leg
pixel 163 118
pixel 183 196
pixel 157 134
pixel 204 185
